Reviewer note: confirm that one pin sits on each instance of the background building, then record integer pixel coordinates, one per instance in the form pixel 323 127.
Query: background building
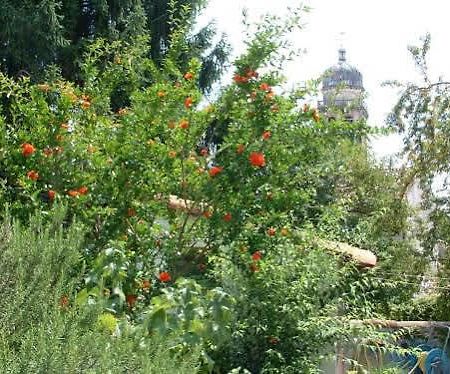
pixel 343 91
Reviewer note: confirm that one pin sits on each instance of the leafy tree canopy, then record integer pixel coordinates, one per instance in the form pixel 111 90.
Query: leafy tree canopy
pixel 422 116
pixel 36 34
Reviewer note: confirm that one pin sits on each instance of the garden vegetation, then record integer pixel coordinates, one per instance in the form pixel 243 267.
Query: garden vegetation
pixel 132 242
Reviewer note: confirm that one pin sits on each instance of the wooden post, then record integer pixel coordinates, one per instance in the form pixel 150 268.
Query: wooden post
pixel 340 362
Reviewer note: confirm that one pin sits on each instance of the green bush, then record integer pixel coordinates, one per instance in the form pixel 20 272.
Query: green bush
pixel 43 330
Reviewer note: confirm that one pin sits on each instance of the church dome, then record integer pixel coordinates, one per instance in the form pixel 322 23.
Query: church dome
pixel 343 91
pixel 342 75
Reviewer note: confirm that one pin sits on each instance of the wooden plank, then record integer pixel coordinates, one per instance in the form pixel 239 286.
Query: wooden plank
pixel 362 256
pixel 392 324
pixel 188 206
pixel 185 205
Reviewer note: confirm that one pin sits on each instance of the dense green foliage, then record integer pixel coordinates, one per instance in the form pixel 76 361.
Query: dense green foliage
pixel 216 250
pixel 37 34
pixel 43 329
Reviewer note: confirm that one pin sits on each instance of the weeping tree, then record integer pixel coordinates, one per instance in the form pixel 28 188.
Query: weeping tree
pixel 36 34
pixel 422 117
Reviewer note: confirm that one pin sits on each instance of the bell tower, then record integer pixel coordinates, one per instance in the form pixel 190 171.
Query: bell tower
pixel 343 91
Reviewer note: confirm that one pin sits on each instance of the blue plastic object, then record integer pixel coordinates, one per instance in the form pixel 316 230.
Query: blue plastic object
pixel 437 362
pixel 405 361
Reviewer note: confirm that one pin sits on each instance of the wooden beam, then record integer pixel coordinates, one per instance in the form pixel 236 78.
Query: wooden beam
pixel 387 323
pixel 188 206
pixel 362 256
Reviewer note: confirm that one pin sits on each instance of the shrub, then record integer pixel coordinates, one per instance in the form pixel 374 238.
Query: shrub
pixel 42 329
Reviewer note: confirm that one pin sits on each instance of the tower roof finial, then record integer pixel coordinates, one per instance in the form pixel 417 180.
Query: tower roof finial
pixel 341 50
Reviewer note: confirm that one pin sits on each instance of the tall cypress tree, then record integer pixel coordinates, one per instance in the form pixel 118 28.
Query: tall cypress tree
pixel 31 36
pixel 85 20
pixel 36 34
